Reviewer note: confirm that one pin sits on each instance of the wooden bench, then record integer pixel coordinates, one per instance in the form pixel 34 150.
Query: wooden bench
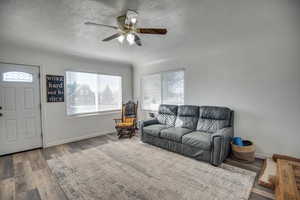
pixel 287 181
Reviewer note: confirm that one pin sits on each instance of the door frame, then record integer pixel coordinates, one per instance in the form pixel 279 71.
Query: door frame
pixel 41 90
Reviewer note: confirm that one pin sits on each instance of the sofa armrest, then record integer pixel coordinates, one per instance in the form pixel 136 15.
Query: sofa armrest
pixel 220 141
pixel 149 122
pixel 224 132
pixel 146 123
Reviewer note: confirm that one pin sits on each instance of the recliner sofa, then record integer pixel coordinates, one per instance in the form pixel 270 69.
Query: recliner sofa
pixel 200 132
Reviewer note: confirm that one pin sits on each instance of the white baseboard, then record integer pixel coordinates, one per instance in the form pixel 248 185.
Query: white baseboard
pixel 263 155
pixel 74 139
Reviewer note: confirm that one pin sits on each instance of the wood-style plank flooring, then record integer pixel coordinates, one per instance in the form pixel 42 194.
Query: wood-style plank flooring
pixel 26 175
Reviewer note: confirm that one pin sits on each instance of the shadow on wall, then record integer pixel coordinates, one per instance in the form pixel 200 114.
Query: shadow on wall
pixel 245 119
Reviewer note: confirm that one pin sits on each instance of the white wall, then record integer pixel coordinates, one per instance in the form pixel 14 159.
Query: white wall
pixel 237 53
pixel 57 126
pixel 257 74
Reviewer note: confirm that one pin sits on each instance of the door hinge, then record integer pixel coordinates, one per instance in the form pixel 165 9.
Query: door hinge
pixel 40 106
pixel 39 75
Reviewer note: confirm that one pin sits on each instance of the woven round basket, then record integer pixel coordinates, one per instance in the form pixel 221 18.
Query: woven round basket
pixel 244 153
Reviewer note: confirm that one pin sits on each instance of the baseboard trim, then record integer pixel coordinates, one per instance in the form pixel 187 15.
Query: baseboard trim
pixel 263 155
pixel 75 139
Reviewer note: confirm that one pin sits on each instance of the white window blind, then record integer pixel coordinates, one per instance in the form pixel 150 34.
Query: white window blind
pixel 165 87
pixel 151 92
pixel 91 92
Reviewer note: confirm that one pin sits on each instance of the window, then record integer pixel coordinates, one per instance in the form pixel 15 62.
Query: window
pixel 17 77
pixel 91 92
pixel 165 87
pixel 151 92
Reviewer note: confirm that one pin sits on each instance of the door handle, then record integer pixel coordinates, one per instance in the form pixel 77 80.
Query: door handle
pixel 1 114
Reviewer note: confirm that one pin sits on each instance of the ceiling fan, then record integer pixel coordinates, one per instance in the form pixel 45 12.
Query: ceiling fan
pixel 127 29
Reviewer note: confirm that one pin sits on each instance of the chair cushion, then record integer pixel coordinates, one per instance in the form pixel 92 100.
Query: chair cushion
pixel 211 125
pixel 155 129
pixel 198 139
pixel 174 133
pixel 128 119
pixel 167 114
pixel 187 117
pixel 124 124
pixel 214 112
pixel 213 118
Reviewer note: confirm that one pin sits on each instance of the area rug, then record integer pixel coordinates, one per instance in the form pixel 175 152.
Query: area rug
pixel 129 169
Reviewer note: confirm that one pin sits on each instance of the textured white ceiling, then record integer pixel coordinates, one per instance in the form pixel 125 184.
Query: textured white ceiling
pixel 59 25
pixel 193 25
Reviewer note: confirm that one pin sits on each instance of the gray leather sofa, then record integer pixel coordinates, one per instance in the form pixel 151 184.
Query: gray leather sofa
pixel 200 132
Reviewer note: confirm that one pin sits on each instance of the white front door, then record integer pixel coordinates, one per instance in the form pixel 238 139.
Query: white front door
pixel 20 115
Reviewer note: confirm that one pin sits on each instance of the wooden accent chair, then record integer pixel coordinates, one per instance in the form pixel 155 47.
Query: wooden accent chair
pixel 127 124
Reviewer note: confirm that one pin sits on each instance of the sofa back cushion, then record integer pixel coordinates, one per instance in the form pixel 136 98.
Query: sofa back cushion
pixel 167 114
pixel 187 117
pixel 213 118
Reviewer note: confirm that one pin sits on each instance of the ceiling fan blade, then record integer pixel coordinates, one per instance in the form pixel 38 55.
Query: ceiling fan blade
pixel 114 36
pixel 137 40
pixel 97 24
pixel 160 31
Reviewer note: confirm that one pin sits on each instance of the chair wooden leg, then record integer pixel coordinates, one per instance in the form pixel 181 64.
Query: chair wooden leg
pixel 128 131
pixel 132 132
pixel 119 134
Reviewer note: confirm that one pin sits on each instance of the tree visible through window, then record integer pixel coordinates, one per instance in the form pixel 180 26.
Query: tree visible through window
pixel 91 92
pixel 165 87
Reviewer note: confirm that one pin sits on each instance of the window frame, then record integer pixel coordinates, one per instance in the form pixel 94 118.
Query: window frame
pixel 86 114
pixel 161 80
pixel 17 81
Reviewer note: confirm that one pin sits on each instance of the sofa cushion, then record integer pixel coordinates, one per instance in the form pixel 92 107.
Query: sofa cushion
pixel 187 117
pixel 213 118
pixel 155 129
pixel 167 114
pixel 198 139
pixel 174 133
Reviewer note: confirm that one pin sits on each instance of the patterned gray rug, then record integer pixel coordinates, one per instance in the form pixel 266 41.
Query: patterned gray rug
pixel 133 170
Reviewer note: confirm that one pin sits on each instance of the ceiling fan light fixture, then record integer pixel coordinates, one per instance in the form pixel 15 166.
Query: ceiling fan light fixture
pixel 121 38
pixel 126 29
pixel 133 20
pixel 130 38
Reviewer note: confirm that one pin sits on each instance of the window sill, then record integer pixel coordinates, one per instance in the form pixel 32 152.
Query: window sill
pixel 103 113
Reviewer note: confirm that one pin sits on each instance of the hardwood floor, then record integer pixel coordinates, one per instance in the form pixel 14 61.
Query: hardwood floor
pixel 26 175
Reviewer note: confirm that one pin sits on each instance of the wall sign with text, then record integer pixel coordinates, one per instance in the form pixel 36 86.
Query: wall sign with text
pixel 55 88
